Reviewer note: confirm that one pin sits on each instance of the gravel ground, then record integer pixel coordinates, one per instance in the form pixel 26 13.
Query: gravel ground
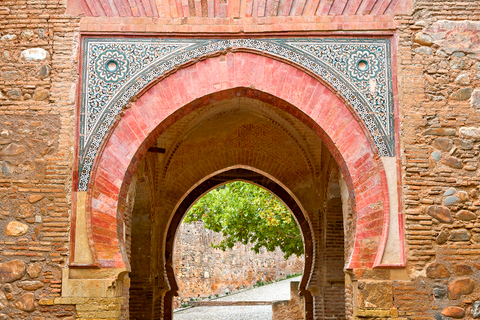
pixel 226 313
pixel 275 291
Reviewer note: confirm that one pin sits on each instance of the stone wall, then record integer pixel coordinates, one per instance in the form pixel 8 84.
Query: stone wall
pixel 202 271
pixel 438 71
pixel 438 76
pixel 37 98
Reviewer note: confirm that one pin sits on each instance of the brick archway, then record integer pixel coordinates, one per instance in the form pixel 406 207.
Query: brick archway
pixel 219 78
pixel 252 176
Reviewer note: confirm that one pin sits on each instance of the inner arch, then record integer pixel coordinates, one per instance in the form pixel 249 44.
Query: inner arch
pixel 253 177
pixel 234 138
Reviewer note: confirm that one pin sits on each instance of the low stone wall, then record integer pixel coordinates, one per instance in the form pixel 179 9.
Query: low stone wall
pixel 202 271
pixel 292 309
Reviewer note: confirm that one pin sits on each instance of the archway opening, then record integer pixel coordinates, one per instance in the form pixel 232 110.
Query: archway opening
pixel 258 242
pixel 237 138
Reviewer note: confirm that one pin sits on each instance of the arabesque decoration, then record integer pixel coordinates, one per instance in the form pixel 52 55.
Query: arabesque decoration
pixel 116 69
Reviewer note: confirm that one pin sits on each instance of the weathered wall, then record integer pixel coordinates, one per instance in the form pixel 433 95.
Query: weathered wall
pixel 438 105
pixel 438 67
pixel 202 271
pixel 438 73
pixel 37 92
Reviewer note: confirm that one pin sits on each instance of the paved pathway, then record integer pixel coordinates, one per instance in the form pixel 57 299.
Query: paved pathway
pixel 225 313
pixel 275 291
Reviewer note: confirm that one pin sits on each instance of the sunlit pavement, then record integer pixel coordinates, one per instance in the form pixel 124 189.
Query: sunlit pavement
pixel 272 292
pixel 226 313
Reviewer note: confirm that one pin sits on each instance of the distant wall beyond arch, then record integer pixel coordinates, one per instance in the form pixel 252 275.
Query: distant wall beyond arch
pixel 223 271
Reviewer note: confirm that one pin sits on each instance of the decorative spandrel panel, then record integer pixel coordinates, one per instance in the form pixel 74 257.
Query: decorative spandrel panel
pixel 114 70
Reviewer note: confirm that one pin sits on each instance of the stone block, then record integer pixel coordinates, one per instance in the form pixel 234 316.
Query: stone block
pixel 423 39
pixel 11 271
pixel 27 35
pixel 14 94
pixel 460 235
pixel 463 144
pixel 44 71
pixel 437 271
pixel 41 94
pixel 454 312
pixel 470 132
pixel 376 294
pixel 458 64
pixel 26 302
pixel 16 229
pixel 454 36
pixel 442 237
pixel 460 287
pixel 424 50
pixel 440 213
pixel 451 200
pixel 10 75
pixel 8 37
pixel 476 310
pixel 439 291
pixel 462 94
pixel 34 270
pixel 373 313
pixel 444 144
pixel 439 132
pixel 463 195
pixel 449 192
pixel 34 54
pixel 13 149
pixel 475 98
pixel 453 162
pixel 463 269
pixel 31 285
pixel 436 155
pixel 46 302
pixel 466 215
pixel 462 79
pixel 35 198
pixel 24 210
pixel 3 301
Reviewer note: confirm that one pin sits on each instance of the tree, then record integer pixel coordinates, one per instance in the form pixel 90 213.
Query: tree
pixel 246 213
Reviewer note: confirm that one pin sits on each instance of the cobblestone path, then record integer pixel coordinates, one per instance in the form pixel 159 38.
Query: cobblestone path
pixel 272 292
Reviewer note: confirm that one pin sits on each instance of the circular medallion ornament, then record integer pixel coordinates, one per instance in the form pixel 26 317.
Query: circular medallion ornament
pixel 112 66
pixel 363 65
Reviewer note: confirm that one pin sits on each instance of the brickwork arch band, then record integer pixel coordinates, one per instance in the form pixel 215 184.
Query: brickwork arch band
pixel 219 78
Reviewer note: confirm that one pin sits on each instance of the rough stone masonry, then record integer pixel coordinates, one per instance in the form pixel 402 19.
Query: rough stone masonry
pixel 204 272
pixel 395 238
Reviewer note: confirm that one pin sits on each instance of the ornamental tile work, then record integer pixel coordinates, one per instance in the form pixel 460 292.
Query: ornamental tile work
pixel 115 69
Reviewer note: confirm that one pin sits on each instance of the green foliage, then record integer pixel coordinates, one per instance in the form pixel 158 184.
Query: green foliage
pixel 261 283
pixel 246 213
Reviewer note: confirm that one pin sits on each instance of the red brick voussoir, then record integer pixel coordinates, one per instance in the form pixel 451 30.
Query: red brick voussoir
pixel 223 77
